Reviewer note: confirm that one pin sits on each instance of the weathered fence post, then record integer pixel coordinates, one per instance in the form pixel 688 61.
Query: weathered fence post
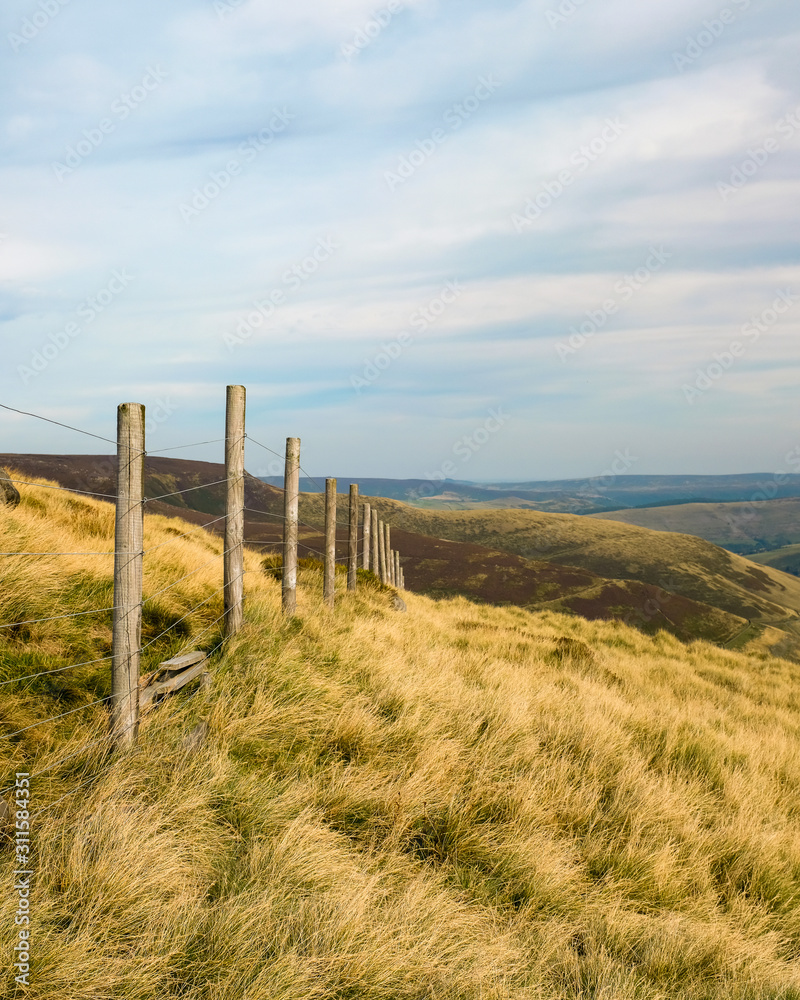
pixel 291 501
pixel 397 570
pixel 352 554
pixel 381 551
pixel 389 556
pixel 329 584
pixel 234 509
pixel 367 535
pixel 128 549
pixel 376 567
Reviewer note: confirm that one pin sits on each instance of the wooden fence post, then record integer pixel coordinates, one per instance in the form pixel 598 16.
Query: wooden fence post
pixel 376 566
pixel 352 556
pixel 329 585
pixel 128 548
pixel 382 551
pixel 389 556
pixel 397 569
pixel 291 501
pixel 367 536
pixel 234 509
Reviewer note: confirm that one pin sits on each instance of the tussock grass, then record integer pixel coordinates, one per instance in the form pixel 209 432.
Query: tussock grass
pixel 458 802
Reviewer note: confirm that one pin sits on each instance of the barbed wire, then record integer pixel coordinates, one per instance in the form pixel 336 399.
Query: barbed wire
pixel 249 437
pixel 192 640
pixel 108 737
pixel 208 628
pixel 283 488
pixel 266 513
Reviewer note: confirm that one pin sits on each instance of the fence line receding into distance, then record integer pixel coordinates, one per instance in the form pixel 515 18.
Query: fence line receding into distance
pixel 131 694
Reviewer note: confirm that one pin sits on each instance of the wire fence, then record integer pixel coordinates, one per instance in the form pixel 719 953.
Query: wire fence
pixel 177 638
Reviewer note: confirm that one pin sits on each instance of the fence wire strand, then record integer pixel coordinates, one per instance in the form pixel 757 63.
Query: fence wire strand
pixel 54 718
pixel 58 423
pixel 55 618
pixel 199 527
pixel 111 737
pixel 64 489
pixel 146 731
pixel 179 447
pixel 57 670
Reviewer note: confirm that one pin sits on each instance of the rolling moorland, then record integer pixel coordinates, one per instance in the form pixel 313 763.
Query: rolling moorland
pixel 750 527
pixel 596 569
pixel 463 801
pixel 786 558
pixel 761 603
pixel 608 491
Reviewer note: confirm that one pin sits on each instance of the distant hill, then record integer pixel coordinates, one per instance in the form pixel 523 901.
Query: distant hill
pixel 745 528
pixel 786 559
pixel 599 569
pixel 570 496
pixel 164 477
pixel 449 494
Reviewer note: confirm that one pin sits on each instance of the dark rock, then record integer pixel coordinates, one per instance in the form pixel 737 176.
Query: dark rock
pixel 398 603
pixel 9 494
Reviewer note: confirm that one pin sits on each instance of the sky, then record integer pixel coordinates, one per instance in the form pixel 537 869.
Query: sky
pixel 483 240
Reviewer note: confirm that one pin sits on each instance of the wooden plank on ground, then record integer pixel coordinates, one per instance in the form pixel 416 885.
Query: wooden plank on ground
pixel 183 661
pixel 149 694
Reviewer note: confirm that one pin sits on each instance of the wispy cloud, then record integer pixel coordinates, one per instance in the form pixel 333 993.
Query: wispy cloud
pixel 224 70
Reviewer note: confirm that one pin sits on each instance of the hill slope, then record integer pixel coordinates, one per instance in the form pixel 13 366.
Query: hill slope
pixel 678 564
pixel 500 556
pixel 164 477
pixel 460 801
pixel 745 528
pixel 786 558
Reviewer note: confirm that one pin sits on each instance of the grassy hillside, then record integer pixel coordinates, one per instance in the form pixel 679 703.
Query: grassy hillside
pixel 744 528
pixel 680 564
pixel 167 478
pixel 786 559
pixel 457 802
pixel 442 568
pixel 495 556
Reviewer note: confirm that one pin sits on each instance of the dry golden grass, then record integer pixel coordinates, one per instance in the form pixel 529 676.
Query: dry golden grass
pixel 458 802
